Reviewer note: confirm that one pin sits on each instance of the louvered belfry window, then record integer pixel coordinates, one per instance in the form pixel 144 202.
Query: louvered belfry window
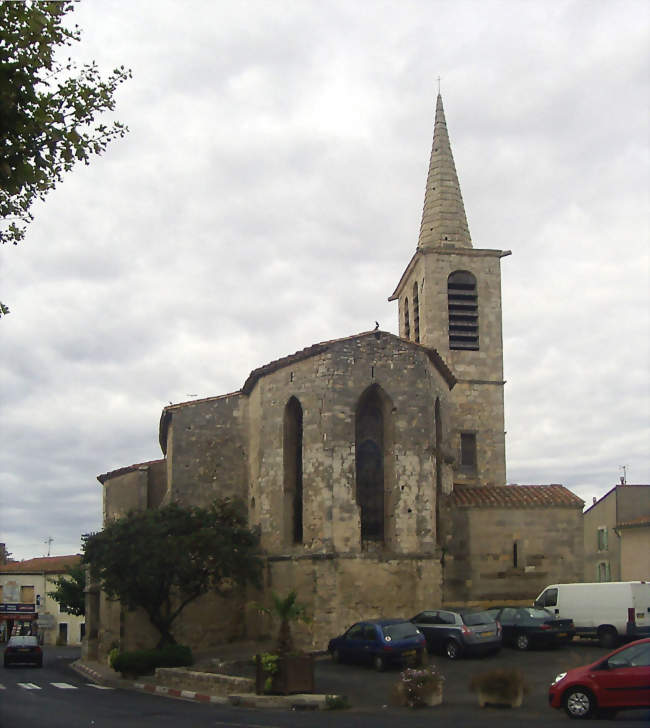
pixel 462 299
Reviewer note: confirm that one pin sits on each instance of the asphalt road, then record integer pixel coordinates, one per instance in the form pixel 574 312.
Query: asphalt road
pixel 57 697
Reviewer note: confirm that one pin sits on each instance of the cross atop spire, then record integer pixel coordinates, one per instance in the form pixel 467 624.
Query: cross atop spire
pixel 444 222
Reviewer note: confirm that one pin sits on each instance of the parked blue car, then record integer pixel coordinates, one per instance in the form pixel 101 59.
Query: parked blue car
pixel 380 642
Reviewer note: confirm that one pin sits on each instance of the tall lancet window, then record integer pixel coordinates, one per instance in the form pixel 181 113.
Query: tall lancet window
pixel 293 471
pixel 407 320
pixel 462 299
pixel 369 452
pixel 416 312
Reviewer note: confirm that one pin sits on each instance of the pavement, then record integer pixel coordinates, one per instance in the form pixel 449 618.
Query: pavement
pixel 102 674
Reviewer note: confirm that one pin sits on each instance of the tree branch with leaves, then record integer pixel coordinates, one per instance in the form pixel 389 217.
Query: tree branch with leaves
pixel 49 109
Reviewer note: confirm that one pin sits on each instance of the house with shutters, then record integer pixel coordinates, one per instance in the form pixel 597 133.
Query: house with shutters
pixel 26 606
pixel 373 465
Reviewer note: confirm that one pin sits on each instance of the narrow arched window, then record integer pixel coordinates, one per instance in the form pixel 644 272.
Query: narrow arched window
pixel 293 471
pixel 462 300
pixel 407 321
pixel 369 457
pixel 416 312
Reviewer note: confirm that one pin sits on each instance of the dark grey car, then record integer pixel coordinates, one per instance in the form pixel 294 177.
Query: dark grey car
pixel 458 632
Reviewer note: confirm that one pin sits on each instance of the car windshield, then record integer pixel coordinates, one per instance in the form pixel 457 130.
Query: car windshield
pixel 473 619
pixel 23 641
pixel 400 630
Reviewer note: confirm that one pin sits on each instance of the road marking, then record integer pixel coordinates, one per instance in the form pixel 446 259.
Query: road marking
pixel 29 686
pixel 64 686
pixel 99 687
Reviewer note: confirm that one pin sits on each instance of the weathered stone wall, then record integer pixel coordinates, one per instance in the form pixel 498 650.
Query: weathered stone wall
pixel 328 387
pixel 340 590
pixel 207 450
pixel 125 492
pixel 479 562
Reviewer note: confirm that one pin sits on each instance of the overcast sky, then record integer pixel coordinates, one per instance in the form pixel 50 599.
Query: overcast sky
pixel 269 195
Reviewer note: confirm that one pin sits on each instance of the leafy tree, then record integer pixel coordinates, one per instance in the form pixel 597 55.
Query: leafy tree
pixel 69 590
pixel 48 108
pixel 162 559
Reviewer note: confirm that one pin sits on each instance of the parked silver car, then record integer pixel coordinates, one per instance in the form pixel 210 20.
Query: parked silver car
pixel 458 632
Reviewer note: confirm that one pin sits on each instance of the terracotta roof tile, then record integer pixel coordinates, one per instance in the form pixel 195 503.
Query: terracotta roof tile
pixel 515 496
pixel 641 521
pixel 49 564
pixel 126 469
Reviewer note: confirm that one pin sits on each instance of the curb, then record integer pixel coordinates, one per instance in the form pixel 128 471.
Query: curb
pixel 185 694
pixel 302 701
pixel 244 700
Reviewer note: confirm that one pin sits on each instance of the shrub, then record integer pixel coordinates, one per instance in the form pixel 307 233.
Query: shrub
pixel 144 662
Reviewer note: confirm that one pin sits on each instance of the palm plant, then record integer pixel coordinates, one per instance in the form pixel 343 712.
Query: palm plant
pixel 287 610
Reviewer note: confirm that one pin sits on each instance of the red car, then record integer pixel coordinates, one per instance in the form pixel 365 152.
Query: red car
pixel 618 681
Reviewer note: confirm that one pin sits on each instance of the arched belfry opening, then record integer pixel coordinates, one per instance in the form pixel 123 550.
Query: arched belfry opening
pixel 462 299
pixel 372 442
pixel 293 472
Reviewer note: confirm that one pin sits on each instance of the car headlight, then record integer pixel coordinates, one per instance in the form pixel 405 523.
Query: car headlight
pixel 559 677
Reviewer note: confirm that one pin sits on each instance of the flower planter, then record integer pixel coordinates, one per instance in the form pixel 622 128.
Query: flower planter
pixel 294 674
pixel 433 698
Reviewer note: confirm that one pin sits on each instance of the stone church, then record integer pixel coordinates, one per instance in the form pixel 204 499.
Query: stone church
pixel 372 465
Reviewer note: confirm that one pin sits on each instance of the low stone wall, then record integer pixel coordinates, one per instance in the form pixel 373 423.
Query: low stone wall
pixel 207 683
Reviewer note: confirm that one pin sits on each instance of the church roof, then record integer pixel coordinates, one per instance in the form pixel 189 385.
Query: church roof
pixel 515 496
pixel 126 469
pixel 444 222
pixel 48 564
pixel 315 349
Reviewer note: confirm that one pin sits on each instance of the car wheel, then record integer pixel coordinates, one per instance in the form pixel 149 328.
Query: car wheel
pixel 452 649
pixel 522 642
pixel 608 638
pixel 378 663
pixel 579 703
pixel 336 656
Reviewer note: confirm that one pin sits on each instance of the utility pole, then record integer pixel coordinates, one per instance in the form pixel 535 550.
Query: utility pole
pixel 48 541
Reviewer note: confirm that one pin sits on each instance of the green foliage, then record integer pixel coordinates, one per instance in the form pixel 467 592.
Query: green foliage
pixel 144 662
pixel 48 108
pixel 269 663
pixel 112 656
pixel 69 590
pixel 287 610
pixel 336 702
pixel 162 559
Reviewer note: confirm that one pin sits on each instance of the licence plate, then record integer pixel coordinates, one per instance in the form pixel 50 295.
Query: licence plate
pixel 24 649
pixel 561 634
pixel 408 653
pixel 486 634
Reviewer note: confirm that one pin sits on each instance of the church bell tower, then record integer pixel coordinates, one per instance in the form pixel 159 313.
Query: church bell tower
pixel 449 299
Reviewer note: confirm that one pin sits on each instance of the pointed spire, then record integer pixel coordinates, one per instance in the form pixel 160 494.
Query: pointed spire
pixel 443 218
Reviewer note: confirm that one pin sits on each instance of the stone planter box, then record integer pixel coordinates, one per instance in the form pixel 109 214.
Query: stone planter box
pixel 295 674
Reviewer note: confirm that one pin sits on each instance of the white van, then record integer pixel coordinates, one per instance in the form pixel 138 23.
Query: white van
pixel 607 610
